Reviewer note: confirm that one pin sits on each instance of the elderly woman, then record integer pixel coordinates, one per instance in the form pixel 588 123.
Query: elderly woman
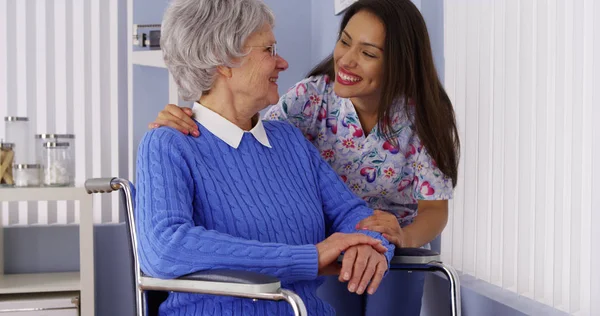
pixel 248 195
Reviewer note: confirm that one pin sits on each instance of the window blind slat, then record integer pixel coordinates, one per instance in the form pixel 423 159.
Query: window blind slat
pixel 91 90
pixel 22 95
pixel 551 134
pixel 511 149
pixel 587 166
pixel 559 193
pixel 576 155
pixel 60 84
pixel 567 152
pixel 499 111
pixel 95 49
pixel 471 127
pixel 595 168
pixel 526 157
pixel 484 147
pixel 41 85
pixel 79 95
pixel 540 144
pixel 460 97
pixel 114 95
pixel 449 52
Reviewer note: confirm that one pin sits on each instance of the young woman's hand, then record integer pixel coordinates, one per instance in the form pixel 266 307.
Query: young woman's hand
pixel 387 224
pixel 179 118
pixel 363 267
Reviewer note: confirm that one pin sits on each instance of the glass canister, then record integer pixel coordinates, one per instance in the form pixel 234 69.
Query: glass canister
pixel 6 161
pixel 26 175
pixel 57 164
pixel 17 132
pixel 41 139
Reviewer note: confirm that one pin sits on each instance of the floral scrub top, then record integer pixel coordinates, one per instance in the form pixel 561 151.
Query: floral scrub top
pixel 387 177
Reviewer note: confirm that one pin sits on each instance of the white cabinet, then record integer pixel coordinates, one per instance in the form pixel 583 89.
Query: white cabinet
pixel 48 284
pixel 45 304
pixel 60 312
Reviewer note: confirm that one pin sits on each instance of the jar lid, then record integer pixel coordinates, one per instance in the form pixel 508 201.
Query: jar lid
pixel 55 145
pixel 16 118
pixel 26 166
pixel 54 136
pixel 6 145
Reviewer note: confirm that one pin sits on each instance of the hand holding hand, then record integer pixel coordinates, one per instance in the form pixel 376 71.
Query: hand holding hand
pixel 332 247
pixel 387 224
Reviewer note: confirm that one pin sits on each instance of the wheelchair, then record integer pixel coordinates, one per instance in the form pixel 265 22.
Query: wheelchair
pixel 150 292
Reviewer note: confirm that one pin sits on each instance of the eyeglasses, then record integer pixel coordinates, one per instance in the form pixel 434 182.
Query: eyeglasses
pixel 272 49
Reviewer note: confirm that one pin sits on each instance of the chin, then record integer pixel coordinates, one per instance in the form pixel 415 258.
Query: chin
pixel 273 100
pixel 342 91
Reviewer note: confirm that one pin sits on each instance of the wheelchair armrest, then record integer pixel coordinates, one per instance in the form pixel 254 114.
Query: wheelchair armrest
pixel 230 276
pixel 414 256
pixel 218 282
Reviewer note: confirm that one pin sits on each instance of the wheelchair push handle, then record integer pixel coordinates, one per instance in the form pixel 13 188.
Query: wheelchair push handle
pixel 102 185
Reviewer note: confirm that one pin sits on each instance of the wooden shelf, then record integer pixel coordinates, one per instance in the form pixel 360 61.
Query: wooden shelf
pixel 39 282
pixel 152 58
pixel 42 194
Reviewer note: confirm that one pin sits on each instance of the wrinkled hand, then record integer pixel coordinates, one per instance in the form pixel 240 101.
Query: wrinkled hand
pixel 387 224
pixel 332 247
pixel 363 266
pixel 179 118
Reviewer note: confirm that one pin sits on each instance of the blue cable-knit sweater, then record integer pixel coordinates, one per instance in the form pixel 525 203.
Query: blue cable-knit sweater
pixel 203 205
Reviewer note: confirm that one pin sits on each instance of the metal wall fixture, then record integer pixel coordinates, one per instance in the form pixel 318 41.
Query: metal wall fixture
pixel 149 39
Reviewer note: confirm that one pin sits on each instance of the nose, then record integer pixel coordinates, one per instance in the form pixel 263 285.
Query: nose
pixel 348 59
pixel 282 64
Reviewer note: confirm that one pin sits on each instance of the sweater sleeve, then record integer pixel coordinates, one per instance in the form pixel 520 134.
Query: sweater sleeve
pixel 172 244
pixel 342 208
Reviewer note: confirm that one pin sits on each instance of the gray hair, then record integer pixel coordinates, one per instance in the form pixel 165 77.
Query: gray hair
pixel 197 36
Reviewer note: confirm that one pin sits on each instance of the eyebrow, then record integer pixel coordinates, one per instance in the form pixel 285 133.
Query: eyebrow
pixel 363 43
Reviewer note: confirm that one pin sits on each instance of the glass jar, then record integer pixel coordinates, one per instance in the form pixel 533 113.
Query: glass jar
pixel 26 175
pixel 17 132
pixel 57 164
pixel 6 161
pixel 41 139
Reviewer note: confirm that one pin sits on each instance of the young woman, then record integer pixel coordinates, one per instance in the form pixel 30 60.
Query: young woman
pixel 377 112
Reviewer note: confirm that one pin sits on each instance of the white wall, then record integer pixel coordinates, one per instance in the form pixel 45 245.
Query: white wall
pixel 524 78
pixel 63 65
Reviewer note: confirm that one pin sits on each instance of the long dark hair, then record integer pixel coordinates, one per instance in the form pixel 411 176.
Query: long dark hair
pixel 409 73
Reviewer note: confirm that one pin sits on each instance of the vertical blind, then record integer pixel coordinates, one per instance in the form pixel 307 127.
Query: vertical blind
pixel 63 64
pixel 524 78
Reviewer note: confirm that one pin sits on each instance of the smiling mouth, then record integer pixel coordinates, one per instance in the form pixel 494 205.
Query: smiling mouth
pixel 349 78
pixel 346 79
pixel 273 80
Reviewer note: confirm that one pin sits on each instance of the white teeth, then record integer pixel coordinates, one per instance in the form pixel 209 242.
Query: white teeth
pixel 348 78
pixel 273 79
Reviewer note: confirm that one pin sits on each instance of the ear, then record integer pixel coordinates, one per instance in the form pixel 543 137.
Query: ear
pixel 225 71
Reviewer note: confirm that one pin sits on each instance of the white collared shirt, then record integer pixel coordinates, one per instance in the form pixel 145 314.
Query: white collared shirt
pixel 225 130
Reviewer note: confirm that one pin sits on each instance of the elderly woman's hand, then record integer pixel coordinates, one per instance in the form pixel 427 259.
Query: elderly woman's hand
pixel 331 248
pixel 179 118
pixel 363 266
pixel 387 224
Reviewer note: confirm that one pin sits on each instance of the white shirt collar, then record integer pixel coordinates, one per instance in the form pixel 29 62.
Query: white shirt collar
pixel 224 129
